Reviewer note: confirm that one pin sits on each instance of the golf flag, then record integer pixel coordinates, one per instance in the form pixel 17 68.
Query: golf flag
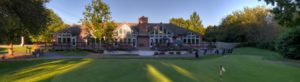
pixel 222 70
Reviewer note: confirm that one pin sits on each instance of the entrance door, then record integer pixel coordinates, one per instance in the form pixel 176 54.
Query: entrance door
pixel 73 41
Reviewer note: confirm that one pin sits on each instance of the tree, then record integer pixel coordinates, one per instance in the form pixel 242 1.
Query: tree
pixel 288 43
pixel 194 23
pixel 54 24
pixel 287 12
pixel 21 18
pixel 97 19
pixel 251 26
pixel 179 22
pixel 211 33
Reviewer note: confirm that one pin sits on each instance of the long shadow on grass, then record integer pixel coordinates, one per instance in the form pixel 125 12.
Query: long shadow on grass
pixel 44 71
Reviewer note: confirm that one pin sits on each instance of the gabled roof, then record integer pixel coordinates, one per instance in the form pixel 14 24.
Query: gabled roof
pixel 133 26
pixel 75 30
pixel 152 26
pixel 170 27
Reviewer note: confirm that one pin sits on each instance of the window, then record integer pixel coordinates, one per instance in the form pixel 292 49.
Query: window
pixel 192 41
pixel 151 35
pixel 68 40
pixel 151 40
pixel 129 41
pixel 73 42
pixel 160 40
pixel 64 40
pixel 59 40
pixel 197 41
pixel 184 41
pixel 189 41
pixel 151 32
pixel 133 41
pixel 125 41
pixel 116 43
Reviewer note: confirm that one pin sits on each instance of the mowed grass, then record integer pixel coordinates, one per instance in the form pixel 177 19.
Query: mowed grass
pixel 4 50
pixel 72 53
pixel 244 65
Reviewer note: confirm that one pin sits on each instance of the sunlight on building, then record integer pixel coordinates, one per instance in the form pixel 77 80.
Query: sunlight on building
pixel 45 71
pixel 181 70
pixel 156 75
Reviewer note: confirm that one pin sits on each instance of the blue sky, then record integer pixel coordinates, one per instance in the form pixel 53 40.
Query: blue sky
pixel 211 11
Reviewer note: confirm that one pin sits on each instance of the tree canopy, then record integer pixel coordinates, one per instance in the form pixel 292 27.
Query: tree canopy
pixel 21 18
pixel 251 26
pixel 194 23
pixel 287 12
pixel 54 24
pixel 97 19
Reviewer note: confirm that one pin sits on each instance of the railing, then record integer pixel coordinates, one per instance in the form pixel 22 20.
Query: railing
pixel 62 46
pixel 202 45
pixel 84 45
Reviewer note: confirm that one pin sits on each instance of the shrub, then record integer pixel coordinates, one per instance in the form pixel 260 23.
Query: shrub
pixel 288 43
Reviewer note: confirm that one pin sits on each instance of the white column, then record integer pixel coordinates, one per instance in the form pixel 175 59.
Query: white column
pixel 22 41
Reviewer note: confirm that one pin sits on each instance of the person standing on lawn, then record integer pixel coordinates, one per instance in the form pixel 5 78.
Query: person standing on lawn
pixel 196 54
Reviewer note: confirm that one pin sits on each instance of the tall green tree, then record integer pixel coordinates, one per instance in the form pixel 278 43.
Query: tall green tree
pixel 211 33
pixel 194 23
pixel 54 24
pixel 21 18
pixel 252 26
pixel 287 12
pixel 179 22
pixel 97 19
pixel 235 26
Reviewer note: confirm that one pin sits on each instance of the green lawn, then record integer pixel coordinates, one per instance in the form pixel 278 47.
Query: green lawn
pixel 72 53
pixel 244 65
pixel 16 49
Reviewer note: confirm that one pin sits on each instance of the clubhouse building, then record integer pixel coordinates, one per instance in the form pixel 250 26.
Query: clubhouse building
pixel 141 35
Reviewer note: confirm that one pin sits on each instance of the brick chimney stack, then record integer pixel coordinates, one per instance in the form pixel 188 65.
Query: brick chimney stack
pixel 143 21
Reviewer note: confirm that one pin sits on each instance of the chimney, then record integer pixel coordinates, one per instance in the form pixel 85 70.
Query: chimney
pixel 143 21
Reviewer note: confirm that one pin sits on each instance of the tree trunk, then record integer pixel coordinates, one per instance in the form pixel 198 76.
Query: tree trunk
pixel 10 50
